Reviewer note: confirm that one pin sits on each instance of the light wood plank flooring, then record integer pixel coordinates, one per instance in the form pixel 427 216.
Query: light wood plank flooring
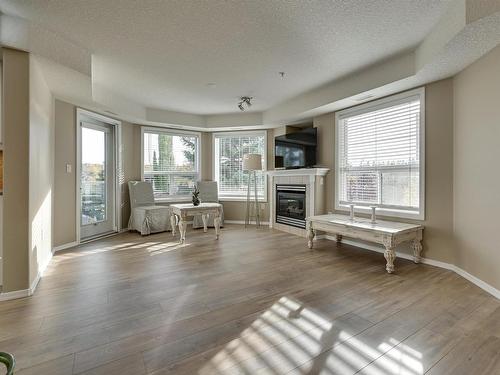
pixel 254 302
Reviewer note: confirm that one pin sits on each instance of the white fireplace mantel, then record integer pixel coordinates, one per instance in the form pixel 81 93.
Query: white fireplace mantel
pixel 312 179
pixel 299 172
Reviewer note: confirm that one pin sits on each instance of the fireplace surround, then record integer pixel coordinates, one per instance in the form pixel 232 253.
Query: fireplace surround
pixel 296 195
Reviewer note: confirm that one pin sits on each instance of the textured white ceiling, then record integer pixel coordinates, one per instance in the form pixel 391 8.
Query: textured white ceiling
pixel 162 54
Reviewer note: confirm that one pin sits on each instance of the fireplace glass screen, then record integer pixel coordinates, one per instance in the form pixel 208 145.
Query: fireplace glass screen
pixel 291 205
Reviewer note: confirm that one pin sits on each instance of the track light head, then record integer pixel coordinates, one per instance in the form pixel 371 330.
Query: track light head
pixel 245 101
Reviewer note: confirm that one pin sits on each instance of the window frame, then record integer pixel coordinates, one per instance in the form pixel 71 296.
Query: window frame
pixel 370 107
pixel 264 163
pixel 168 131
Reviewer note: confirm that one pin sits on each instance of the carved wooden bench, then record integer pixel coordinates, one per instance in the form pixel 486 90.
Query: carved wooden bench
pixel 387 233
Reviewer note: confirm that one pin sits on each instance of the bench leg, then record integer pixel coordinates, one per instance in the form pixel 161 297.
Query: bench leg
pixel 390 256
pixel 417 250
pixel 173 223
pixel 310 237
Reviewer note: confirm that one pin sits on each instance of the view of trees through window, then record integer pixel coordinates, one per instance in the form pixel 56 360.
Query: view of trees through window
pixel 170 163
pixel 229 149
pixel 93 193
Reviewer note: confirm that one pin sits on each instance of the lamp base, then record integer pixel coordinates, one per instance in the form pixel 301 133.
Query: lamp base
pixel 248 215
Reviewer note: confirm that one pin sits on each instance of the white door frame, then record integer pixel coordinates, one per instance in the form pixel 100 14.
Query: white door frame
pixel 81 114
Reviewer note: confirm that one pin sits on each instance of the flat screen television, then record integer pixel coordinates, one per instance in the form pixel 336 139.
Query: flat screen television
pixel 296 150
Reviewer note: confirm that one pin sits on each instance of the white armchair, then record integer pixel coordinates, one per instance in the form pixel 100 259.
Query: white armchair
pixel 145 216
pixel 208 194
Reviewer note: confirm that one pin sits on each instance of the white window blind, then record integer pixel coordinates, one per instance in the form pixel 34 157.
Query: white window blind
pixel 229 149
pixel 378 153
pixel 170 162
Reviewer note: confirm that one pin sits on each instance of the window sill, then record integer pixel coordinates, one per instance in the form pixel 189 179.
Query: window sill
pixel 240 199
pixel 384 212
pixel 188 199
pixel 173 200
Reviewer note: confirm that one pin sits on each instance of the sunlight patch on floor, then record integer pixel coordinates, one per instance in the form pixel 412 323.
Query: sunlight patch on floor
pixel 165 247
pixel 401 360
pixel 114 248
pixel 291 338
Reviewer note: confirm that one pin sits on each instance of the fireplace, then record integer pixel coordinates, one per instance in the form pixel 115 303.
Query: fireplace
pixel 291 205
pixel 297 195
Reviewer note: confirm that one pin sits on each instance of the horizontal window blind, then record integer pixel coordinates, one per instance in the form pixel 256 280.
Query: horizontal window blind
pixel 379 155
pixel 170 162
pixel 229 151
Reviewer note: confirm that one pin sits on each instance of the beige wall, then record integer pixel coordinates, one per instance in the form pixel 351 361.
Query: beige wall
pixel 16 128
pixel 438 234
pixel 206 156
pixel 131 164
pixel 41 171
pixel 236 211
pixel 65 183
pixel 438 222
pixel 476 171
pixel 326 154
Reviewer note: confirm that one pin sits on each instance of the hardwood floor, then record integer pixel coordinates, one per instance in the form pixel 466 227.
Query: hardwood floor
pixel 254 302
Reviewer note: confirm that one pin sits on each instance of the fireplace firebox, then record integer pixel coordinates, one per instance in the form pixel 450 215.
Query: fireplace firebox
pixel 291 205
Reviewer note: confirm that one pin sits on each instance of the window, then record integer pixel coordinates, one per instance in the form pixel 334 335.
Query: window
pixel 229 149
pixel 380 156
pixel 170 162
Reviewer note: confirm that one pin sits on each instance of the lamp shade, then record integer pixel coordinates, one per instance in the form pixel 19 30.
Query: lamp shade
pixel 252 162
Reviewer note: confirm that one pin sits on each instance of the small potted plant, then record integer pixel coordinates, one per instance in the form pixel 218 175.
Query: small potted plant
pixel 196 200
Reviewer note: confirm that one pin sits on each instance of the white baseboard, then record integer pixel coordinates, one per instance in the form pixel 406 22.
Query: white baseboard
pixel 64 246
pixel 34 284
pixel 39 275
pixel 27 292
pixel 480 283
pixel 14 295
pixel 436 263
pixel 243 222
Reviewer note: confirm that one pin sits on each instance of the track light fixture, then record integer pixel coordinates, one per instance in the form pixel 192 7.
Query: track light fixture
pixel 245 101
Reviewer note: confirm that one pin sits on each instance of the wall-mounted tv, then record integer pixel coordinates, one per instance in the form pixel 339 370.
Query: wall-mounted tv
pixel 296 150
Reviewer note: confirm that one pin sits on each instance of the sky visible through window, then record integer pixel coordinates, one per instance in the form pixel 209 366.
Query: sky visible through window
pixel 93 149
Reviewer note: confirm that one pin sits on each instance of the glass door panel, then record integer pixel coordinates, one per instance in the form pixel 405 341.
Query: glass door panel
pixel 97 197
pixel 93 183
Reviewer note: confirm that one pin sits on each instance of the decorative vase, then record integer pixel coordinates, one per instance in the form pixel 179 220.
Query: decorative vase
pixel 374 214
pixel 351 212
pixel 196 200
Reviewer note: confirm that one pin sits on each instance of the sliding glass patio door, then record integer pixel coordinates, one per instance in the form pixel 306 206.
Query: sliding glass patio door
pixel 97 180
